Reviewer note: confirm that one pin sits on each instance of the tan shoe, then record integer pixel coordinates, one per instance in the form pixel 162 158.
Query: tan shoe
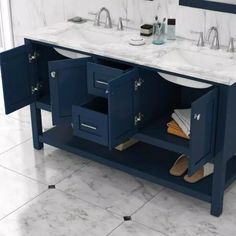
pixel 180 166
pixel 202 173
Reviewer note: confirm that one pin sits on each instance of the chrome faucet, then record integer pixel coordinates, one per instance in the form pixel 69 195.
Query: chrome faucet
pixel 200 42
pixel 215 42
pixel 120 25
pixel 108 23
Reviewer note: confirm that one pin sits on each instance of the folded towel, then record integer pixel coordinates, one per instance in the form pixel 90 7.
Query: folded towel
pixel 174 129
pixel 181 124
pixel 184 115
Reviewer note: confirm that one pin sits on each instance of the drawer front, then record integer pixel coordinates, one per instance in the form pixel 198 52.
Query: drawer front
pixel 99 77
pixel 90 125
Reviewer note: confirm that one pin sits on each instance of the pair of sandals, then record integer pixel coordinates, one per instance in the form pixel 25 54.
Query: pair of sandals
pixel 180 167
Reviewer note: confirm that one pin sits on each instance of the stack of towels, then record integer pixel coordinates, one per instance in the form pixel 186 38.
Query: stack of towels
pixel 180 125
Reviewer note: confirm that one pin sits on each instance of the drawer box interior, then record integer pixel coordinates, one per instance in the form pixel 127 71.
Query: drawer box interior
pixel 113 64
pixel 90 121
pixel 97 104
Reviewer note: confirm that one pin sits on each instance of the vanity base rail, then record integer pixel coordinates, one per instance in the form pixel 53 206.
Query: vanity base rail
pixel 153 167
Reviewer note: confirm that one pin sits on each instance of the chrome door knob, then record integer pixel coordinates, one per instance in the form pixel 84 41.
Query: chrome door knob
pixel 197 116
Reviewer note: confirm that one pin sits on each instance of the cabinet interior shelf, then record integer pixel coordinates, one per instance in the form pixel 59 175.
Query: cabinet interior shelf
pixel 44 103
pixel 156 134
pixel 142 160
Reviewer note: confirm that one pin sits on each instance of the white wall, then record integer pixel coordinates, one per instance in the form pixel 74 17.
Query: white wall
pixel 30 14
pixel 5 25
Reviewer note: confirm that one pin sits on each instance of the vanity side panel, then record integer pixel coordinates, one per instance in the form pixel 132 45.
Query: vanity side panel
pixel 230 129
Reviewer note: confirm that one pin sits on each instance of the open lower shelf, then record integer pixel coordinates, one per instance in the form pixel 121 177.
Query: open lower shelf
pixel 142 160
pixel 156 134
pixel 44 103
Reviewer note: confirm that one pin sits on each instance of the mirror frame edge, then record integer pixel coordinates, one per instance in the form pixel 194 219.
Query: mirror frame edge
pixel 214 6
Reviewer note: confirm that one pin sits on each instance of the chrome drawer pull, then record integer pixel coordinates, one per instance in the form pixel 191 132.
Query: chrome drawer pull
pixel 88 126
pixel 101 82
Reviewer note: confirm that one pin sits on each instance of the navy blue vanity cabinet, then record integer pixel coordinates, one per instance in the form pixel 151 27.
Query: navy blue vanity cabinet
pixel 109 121
pixel 98 103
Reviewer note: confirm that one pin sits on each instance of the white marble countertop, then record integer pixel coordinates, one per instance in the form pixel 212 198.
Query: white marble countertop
pixel 114 44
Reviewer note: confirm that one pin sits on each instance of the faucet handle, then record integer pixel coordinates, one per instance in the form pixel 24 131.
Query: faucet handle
pixel 96 21
pixel 231 47
pixel 120 25
pixel 200 42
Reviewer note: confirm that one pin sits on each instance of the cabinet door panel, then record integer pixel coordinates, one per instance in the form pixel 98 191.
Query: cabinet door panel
pixel 203 125
pixel 68 86
pixel 121 108
pixel 17 78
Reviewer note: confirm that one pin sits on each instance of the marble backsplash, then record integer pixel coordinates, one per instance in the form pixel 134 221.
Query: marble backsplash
pixel 30 14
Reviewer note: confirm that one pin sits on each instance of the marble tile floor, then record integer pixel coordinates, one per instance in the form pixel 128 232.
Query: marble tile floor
pixel 89 198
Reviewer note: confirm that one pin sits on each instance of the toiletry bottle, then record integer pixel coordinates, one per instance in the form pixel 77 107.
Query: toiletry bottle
pixel 171 29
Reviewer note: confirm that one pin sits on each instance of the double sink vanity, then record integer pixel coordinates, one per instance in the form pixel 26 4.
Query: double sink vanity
pixel 102 91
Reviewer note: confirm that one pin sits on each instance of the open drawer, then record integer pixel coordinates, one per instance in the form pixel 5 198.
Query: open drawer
pixel 90 120
pixel 101 73
pixel 108 121
pixel 69 83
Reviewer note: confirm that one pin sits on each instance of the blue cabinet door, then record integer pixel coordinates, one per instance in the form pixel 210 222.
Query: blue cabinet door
pixel 203 128
pixel 17 78
pixel 68 86
pixel 121 108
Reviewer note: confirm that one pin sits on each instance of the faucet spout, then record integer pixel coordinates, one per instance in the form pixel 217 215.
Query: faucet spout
pixel 215 42
pixel 108 23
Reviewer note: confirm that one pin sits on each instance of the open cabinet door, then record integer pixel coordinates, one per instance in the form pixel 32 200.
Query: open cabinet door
pixel 203 127
pixel 121 108
pixel 68 86
pixel 17 78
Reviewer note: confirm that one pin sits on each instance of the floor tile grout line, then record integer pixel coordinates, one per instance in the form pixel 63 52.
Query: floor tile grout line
pixel 137 222
pixel 90 203
pixel 28 177
pixel 148 201
pixel 13 118
pixel 85 165
pixel 115 228
pixel 158 192
pixel 18 208
pixel 22 121
pixel 17 172
pixel 36 180
pixel 17 145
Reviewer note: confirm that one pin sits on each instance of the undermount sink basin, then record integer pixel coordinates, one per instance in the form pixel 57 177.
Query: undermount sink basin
pixel 95 37
pixel 185 82
pixel 193 61
pixel 197 60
